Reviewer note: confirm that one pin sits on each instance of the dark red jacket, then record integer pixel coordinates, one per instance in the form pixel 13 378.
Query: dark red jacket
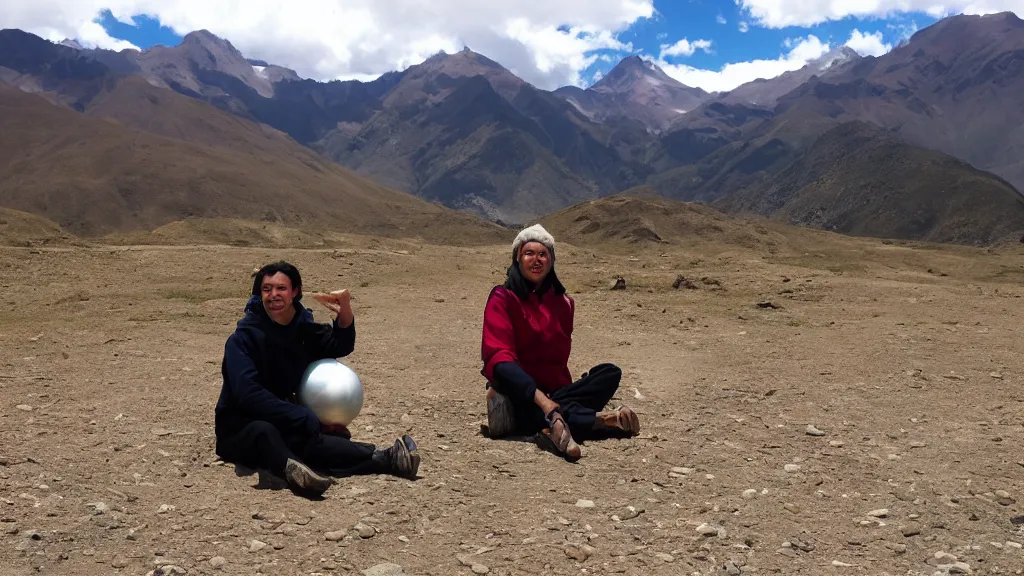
pixel 536 334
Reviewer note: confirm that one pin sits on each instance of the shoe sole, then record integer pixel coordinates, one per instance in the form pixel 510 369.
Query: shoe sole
pixel 500 420
pixel 301 476
pixel 414 455
pixel 407 458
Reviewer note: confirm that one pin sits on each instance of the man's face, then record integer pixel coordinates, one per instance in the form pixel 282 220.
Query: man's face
pixel 278 294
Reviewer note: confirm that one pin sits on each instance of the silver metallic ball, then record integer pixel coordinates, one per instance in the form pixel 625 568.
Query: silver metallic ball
pixel 332 391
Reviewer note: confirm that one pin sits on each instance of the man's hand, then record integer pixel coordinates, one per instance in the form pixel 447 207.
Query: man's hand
pixel 337 430
pixel 339 302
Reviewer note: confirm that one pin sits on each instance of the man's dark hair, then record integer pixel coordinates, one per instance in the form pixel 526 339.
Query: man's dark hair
pixel 270 269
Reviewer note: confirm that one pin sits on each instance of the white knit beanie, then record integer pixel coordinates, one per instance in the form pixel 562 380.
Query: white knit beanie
pixel 535 233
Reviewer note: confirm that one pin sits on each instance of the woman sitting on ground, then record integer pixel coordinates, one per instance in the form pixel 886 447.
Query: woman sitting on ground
pixel 527 338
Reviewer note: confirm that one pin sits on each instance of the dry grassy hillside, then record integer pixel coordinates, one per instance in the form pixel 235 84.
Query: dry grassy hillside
pixel 639 218
pixel 94 176
pixel 19 228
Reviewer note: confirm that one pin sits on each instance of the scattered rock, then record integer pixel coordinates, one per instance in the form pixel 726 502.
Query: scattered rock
pixel 879 513
pixel 1003 498
pixel 286 530
pixel 630 513
pixel 842 564
pixel 801 545
pixel 910 531
pixel 364 531
pixel 791 468
pixel 665 557
pixel 897 548
pixel 768 305
pixel 711 530
pixel 619 284
pixel 218 561
pixel 749 494
pixel 836 443
pixel 681 281
pixel 577 553
pixel 712 282
pixel 385 569
pixel 813 431
pixel 119 563
pixel 24 407
pixel 584 503
pixel 335 536
pixel 479 569
pixel 256 546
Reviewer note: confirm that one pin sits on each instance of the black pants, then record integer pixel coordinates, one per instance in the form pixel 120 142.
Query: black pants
pixel 578 402
pixel 260 445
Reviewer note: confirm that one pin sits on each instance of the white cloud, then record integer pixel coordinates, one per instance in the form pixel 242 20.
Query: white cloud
pixel 720 19
pixel 685 48
pixel 734 74
pixel 903 30
pixel 868 44
pixel 782 13
pixel 547 43
pixel 743 26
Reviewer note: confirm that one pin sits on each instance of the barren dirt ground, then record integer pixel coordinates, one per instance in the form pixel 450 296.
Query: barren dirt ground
pixel 908 361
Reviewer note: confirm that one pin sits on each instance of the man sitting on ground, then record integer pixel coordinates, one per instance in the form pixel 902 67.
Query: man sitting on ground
pixel 258 421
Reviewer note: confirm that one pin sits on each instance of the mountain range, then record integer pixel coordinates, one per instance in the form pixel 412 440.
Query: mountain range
pixel 924 142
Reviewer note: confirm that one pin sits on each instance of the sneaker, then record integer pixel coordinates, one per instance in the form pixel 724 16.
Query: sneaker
pixel 414 454
pixel 501 419
pixel 401 459
pixel 301 476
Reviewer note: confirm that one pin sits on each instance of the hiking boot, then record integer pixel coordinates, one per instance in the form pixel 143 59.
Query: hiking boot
pixel 301 476
pixel 501 419
pixel 401 459
pixel 622 421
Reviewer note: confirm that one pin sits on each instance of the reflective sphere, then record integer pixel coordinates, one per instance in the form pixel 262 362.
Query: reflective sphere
pixel 332 391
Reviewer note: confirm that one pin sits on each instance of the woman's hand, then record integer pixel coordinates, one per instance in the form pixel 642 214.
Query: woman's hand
pixel 546 404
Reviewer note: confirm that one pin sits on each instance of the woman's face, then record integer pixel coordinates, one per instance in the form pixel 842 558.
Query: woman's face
pixel 534 261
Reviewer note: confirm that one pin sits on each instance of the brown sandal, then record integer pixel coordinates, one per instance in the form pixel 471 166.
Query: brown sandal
pixel 623 421
pixel 558 438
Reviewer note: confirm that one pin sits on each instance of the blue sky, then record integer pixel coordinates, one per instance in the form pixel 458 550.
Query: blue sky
pixel 549 43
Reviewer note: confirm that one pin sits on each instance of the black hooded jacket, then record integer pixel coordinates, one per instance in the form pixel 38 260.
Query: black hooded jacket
pixel 263 366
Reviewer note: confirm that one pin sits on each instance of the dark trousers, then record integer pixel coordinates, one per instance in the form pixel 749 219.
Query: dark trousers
pixel 260 445
pixel 578 402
